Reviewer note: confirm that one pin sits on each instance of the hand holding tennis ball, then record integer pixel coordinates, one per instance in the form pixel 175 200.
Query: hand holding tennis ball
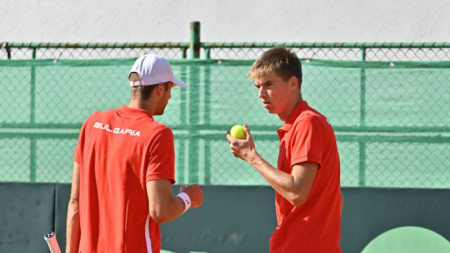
pixel 241 143
pixel 237 131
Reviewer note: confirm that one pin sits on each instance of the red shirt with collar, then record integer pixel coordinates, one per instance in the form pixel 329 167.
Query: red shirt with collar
pixel 119 151
pixel 314 226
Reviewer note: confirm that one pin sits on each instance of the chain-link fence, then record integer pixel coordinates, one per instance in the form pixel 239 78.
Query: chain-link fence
pixel 388 103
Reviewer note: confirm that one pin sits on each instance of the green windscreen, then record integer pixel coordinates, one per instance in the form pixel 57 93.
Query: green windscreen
pixel 391 119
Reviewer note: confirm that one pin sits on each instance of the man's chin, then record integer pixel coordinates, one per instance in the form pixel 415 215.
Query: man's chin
pixel 271 111
pixel 159 113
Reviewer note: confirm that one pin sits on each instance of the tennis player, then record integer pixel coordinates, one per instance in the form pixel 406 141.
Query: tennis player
pixel 124 170
pixel 308 197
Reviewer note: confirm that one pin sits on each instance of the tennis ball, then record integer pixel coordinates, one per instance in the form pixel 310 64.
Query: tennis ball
pixel 237 131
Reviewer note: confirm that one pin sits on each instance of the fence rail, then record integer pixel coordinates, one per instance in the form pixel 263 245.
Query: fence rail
pixel 363 51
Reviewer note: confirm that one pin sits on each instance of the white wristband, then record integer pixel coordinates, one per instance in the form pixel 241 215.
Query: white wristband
pixel 186 199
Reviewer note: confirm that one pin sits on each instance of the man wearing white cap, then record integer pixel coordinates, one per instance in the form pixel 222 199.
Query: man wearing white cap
pixel 124 170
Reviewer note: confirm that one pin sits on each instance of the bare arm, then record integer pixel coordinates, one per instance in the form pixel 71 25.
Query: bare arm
pixel 165 207
pixel 294 187
pixel 73 217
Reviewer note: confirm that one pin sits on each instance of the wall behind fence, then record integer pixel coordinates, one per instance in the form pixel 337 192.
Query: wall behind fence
pixel 391 118
pixel 242 218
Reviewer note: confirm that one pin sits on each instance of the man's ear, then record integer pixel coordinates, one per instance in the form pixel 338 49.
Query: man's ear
pixel 159 89
pixel 293 82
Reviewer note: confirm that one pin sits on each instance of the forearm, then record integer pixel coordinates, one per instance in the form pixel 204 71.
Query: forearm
pixel 163 206
pixel 73 217
pixel 72 227
pixel 169 211
pixel 283 183
pixel 293 186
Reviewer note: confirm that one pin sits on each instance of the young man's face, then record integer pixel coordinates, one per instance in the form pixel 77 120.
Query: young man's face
pixel 274 93
pixel 167 94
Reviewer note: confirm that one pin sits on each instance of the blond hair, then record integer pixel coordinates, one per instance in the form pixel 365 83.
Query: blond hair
pixel 280 61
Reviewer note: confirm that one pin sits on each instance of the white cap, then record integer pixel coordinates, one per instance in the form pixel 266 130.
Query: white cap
pixel 153 69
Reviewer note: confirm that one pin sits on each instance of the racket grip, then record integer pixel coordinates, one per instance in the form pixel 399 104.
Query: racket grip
pixel 52 242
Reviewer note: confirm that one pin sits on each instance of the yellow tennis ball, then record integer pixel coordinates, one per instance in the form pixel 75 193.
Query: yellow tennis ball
pixel 237 131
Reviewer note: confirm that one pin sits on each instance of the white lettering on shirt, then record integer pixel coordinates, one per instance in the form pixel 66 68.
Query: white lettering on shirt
pixel 117 130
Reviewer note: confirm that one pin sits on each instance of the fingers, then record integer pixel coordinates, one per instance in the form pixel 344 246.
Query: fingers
pixel 189 188
pixel 237 144
pixel 247 132
pixel 229 137
pixel 195 194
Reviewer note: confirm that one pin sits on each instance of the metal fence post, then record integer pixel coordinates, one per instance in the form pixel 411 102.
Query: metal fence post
pixel 207 116
pixel 33 144
pixel 207 52
pixel 194 93
pixel 363 89
pixel 362 143
pixel 8 50
pixel 194 45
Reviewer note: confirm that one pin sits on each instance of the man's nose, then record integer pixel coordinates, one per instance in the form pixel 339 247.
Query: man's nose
pixel 262 92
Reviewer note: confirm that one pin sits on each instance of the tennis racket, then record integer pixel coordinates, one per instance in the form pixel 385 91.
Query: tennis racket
pixel 52 242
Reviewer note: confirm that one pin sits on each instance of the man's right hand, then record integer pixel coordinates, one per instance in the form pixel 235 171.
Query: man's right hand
pixel 195 194
pixel 243 148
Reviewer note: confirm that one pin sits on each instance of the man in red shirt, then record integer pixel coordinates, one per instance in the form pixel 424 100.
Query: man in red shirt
pixel 124 170
pixel 308 197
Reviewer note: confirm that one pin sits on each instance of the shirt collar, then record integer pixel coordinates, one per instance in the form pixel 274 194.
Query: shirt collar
pixel 299 108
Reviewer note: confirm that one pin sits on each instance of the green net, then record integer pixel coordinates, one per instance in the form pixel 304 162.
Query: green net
pixel 392 119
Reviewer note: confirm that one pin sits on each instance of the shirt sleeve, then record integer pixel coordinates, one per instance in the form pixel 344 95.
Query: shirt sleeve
pixel 307 143
pixel 161 163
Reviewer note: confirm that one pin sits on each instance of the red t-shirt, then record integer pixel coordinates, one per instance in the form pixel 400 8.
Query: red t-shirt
pixel 314 226
pixel 119 151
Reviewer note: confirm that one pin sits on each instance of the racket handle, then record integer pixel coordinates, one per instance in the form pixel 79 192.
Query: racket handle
pixel 52 242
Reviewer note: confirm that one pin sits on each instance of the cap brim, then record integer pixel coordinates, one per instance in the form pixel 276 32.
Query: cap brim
pixel 180 83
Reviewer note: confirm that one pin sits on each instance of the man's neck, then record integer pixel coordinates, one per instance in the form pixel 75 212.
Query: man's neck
pixel 139 104
pixel 285 115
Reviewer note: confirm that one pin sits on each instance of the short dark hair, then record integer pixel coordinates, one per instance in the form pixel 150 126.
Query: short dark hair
pixel 143 92
pixel 279 60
